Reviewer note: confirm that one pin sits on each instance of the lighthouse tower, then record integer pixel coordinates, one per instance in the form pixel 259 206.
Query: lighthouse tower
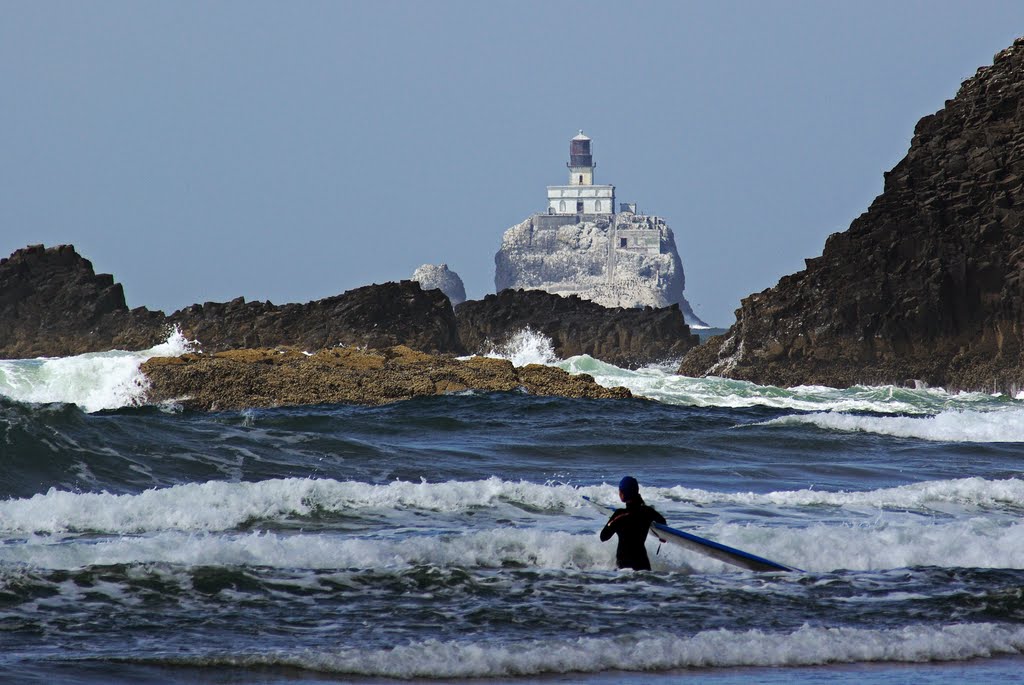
pixel 581 196
pixel 581 162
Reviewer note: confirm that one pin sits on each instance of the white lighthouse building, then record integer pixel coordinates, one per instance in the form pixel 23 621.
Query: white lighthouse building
pixel 581 196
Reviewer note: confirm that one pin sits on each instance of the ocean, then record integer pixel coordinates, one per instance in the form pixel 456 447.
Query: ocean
pixel 446 539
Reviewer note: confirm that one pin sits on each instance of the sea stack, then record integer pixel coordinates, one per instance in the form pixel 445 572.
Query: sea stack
pixel 440 277
pixel 582 246
pixel 927 285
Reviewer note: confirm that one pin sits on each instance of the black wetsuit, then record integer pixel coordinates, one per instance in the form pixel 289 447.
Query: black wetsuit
pixel 631 524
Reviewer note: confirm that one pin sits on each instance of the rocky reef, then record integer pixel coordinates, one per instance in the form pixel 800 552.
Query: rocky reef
pixel 284 377
pixel 53 304
pixel 440 277
pixel 625 337
pixel 376 344
pixel 926 285
pixel 615 260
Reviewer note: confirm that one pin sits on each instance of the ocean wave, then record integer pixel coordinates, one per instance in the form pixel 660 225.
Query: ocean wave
pixel 223 505
pixel 806 646
pixel 971 492
pixel 960 425
pixel 220 505
pixel 488 548
pixel 525 523
pixel 818 549
pixel 664 385
pixel 93 381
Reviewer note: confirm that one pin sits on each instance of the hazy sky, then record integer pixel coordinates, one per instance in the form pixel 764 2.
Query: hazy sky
pixel 294 150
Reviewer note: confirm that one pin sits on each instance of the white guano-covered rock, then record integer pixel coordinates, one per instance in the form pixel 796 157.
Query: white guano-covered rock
pixel 620 260
pixel 440 277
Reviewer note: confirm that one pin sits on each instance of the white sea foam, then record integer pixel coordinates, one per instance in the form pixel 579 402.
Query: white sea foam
pixel 94 381
pixel 494 548
pixel 1005 425
pixel 977 543
pixel 806 646
pixel 974 491
pixel 661 383
pixel 219 505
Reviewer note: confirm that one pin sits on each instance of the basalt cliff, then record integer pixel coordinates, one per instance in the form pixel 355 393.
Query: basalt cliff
pixel 927 285
pixel 626 337
pixel 52 303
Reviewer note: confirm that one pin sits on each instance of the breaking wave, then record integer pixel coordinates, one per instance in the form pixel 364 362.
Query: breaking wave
pixel 806 646
pixel 220 505
pixel 93 381
pixel 210 523
pixel 962 425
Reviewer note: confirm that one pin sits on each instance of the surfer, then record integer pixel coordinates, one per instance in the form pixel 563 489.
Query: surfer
pixel 631 525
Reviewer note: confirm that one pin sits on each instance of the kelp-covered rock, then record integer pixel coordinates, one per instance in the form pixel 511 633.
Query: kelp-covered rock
pixel 240 379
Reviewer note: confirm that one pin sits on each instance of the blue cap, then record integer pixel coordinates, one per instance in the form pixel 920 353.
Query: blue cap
pixel 629 487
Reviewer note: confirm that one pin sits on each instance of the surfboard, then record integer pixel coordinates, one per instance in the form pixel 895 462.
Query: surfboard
pixel 709 548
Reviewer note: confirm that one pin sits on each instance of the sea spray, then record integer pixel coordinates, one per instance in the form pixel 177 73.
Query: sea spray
pixel 525 347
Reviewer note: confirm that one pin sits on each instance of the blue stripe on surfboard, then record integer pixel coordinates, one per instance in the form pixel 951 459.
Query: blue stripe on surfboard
pixel 729 555
pixel 715 550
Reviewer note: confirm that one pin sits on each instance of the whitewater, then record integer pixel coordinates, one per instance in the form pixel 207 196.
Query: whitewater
pixel 446 538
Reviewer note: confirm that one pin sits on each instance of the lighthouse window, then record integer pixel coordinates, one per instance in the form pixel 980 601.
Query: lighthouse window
pixel 561 206
pixel 581 178
pixel 597 206
pixel 579 207
pixel 622 242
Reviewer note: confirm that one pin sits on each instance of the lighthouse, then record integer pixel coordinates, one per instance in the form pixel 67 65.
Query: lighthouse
pixel 581 196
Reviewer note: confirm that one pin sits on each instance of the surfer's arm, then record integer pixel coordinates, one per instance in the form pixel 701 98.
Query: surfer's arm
pixel 609 528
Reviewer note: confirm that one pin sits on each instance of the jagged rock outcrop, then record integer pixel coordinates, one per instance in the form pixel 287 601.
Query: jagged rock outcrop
pixel 616 260
pixel 440 277
pixel 622 336
pixel 53 304
pixel 373 316
pixel 240 379
pixel 928 284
